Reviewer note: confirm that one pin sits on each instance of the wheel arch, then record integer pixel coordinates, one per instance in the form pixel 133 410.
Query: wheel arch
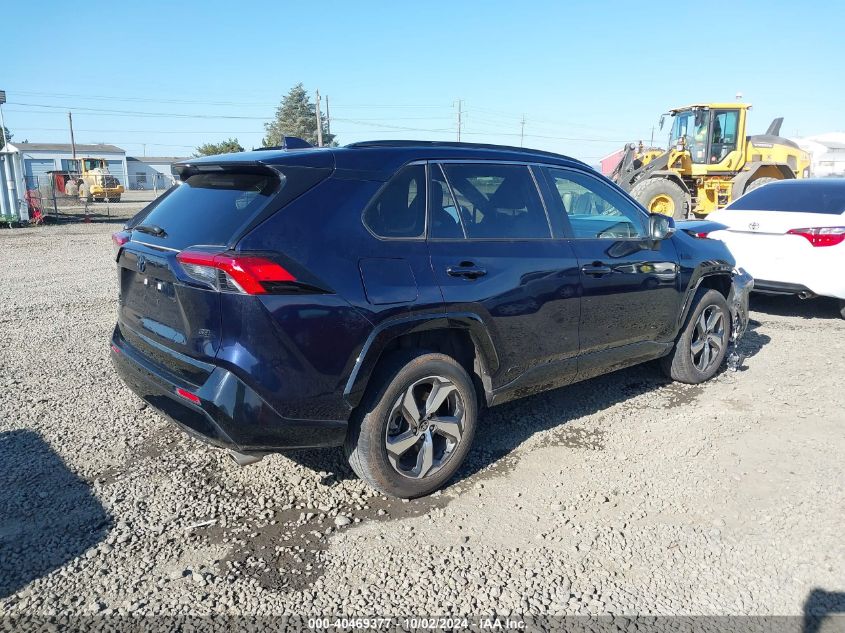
pixel 761 169
pixel 719 279
pixel 462 336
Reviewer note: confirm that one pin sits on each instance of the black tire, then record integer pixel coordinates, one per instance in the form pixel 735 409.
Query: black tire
pixel 656 193
pixel 759 182
pixel 842 308
pixel 115 199
pixel 685 365
pixel 377 417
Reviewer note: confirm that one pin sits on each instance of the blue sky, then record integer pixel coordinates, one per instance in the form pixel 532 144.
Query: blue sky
pixel 586 75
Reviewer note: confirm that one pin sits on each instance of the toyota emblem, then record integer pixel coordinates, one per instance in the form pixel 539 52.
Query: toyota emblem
pixel 142 264
pixel 754 226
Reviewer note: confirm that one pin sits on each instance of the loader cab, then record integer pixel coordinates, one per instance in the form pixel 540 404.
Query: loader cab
pixel 84 165
pixel 710 133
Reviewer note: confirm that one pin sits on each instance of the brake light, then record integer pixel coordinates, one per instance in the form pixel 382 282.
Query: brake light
pixel 118 240
pixel 187 395
pixel 226 273
pixel 701 235
pixel 822 236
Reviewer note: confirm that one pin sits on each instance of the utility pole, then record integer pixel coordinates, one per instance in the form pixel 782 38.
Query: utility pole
pixel 319 123
pixel 652 137
pixel 6 165
pixel 522 131
pixel 72 141
pixel 328 118
pixel 459 120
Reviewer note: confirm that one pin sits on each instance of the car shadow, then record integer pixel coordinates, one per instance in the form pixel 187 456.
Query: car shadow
pixel 790 306
pixel 819 606
pixel 48 515
pixel 502 429
pixel 752 341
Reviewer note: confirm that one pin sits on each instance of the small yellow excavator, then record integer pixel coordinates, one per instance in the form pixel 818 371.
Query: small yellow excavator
pixel 709 163
pixel 91 180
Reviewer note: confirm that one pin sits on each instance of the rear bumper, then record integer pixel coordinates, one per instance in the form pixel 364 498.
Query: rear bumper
pixel 764 286
pixel 229 413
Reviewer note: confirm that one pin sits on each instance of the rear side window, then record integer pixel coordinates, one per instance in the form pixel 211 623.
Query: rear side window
pixel 398 211
pixel 794 196
pixel 498 201
pixel 211 208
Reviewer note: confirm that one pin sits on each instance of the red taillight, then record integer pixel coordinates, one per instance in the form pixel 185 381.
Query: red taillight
pixel 115 348
pixel 118 240
pixel 244 274
pixel 187 395
pixel 822 236
pixel 702 235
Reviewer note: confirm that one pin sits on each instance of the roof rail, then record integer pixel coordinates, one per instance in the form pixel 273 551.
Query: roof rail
pixel 289 142
pixel 458 144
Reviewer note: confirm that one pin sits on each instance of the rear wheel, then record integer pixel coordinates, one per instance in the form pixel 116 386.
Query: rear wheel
pixel 842 308
pixel 415 427
pixel 661 195
pixel 702 344
pixel 759 182
pixel 114 199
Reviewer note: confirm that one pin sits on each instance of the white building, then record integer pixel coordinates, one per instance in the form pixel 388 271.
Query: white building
pixel 151 172
pixel 41 158
pixel 827 152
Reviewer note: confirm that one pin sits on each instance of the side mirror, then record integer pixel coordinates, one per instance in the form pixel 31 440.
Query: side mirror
pixel 662 120
pixel 660 227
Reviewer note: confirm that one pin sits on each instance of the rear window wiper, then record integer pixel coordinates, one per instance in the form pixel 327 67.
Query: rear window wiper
pixel 151 229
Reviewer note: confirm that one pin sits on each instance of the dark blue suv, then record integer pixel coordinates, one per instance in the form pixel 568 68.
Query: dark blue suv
pixel 377 296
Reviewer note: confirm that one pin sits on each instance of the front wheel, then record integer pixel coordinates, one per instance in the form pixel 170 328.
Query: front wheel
pixel 661 195
pixel 415 426
pixel 703 343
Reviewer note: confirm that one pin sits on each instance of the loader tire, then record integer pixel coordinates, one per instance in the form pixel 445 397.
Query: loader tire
pixel 759 182
pixel 661 195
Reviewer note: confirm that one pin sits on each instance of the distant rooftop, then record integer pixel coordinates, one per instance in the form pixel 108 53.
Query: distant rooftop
pixel 67 147
pixel 157 159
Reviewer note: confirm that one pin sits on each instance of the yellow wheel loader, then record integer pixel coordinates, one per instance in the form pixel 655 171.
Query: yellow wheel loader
pixel 91 180
pixel 709 163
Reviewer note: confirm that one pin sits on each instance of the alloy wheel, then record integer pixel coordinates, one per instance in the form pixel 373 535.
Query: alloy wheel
pixel 708 338
pixel 426 425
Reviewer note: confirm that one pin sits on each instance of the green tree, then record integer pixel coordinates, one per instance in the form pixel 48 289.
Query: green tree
pixel 296 116
pixel 228 146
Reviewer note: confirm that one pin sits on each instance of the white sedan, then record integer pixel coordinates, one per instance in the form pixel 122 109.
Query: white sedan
pixel 790 236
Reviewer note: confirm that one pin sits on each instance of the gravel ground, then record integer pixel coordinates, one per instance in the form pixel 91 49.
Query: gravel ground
pixel 622 495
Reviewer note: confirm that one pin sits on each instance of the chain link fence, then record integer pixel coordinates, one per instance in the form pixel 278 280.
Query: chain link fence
pixel 65 196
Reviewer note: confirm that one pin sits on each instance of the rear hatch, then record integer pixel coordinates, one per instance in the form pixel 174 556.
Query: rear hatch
pixel 174 258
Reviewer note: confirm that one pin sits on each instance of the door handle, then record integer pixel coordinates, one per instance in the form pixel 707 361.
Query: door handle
pixel 466 270
pixel 596 268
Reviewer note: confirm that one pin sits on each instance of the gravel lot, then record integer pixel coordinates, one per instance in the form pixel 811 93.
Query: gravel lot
pixel 624 494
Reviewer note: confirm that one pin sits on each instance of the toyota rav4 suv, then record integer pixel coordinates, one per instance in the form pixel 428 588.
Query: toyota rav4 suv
pixel 378 296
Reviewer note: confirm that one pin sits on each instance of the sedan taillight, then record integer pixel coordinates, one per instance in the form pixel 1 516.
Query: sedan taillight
pixel 227 273
pixel 822 236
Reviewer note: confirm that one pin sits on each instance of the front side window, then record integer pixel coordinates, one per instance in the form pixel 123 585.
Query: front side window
pixel 690 128
pixel 595 210
pixel 398 211
pixel 497 201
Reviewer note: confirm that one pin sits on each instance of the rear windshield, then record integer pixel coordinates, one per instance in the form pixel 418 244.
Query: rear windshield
pixel 794 196
pixel 211 208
